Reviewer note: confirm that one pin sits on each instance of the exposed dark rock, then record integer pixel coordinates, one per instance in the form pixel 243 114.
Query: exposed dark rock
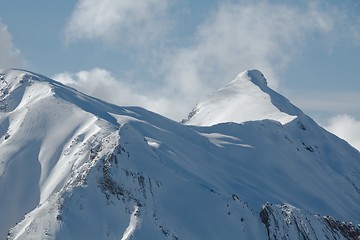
pixel 348 230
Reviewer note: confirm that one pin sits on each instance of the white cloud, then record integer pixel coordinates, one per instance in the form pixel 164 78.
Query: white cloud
pixel 128 21
pixel 102 84
pixel 244 36
pixel 10 56
pixel 235 37
pixel 346 127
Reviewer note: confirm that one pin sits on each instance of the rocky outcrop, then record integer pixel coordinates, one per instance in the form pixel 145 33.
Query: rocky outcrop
pixel 287 222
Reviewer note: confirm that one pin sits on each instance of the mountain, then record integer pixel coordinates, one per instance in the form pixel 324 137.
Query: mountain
pixel 246 164
pixel 246 98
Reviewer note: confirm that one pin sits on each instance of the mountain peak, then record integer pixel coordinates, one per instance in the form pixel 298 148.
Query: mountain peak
pixel 255 76
pixel 246 98
pixel 13 76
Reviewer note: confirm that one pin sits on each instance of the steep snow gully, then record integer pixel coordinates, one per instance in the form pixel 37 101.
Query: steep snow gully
pixel 246 164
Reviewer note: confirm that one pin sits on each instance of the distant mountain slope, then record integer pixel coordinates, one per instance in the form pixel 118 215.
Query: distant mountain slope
pixel 74 167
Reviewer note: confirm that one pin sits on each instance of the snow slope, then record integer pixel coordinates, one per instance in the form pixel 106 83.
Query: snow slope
pixel 246 98
pixel 74 167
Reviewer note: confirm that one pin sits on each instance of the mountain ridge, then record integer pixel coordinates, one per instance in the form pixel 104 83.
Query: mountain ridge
pixel 70 162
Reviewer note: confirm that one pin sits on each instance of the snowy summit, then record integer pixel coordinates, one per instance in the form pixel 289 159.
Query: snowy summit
pixel 246 98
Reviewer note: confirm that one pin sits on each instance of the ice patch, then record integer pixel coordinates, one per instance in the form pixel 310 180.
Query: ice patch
pixel 152 143
pixel 133 224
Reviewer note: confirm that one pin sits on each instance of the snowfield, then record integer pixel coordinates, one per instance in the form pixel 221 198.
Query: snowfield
pixel 246 164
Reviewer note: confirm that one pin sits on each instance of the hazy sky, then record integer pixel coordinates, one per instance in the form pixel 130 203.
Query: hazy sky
pixel 166 55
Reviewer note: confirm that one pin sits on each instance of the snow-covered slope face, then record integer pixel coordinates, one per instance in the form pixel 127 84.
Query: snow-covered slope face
pixel 39 130
pixel 73 167
pixel 246 98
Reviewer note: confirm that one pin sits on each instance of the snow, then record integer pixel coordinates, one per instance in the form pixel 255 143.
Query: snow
pixel 133 224
pixel 74 167
pixel 246 98
pixel 152 143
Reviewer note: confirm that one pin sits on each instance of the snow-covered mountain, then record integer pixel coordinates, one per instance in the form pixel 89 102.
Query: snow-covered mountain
pixel 246 98
pixel 247 165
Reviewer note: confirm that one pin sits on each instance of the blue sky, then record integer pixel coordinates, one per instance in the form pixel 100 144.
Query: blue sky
pixel 166 55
